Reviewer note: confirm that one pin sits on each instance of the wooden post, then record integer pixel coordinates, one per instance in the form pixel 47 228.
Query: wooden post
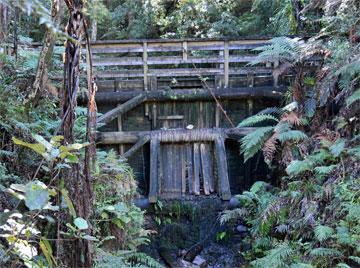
pixel 154 180
pixel 226 64
pixel 190 170
pixel 196 176
pixel 185 51
pixel 223 177
pixel 145 69
pixel 276 78
pixel 250 104
pixel 120 128
pixel 205 162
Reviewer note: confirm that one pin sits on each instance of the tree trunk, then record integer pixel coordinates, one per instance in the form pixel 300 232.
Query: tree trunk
pixel 40 86
pixel 77 183
pixel 4 10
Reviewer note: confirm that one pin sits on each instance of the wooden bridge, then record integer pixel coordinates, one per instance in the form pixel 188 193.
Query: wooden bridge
pixel 170 107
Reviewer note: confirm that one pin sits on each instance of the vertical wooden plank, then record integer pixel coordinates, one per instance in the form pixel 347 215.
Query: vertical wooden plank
pixel 226 64
pixel 185 51
pixel 217 115
pixel 276 77
pixel 201 115
pixel 250 79
pixel 196 169
pixel 211 169
pixel 154 153
pixel 154 116
pixel 120 128
pixel 190 170
pixel 205 168
pixel 183 168
pixel 250 105
pixel 145 69
pixel 223 177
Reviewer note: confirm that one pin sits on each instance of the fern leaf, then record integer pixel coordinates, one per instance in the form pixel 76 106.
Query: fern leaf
pixel 323 232
pixel 301 265
pixel 326 252
pixel 297 167
pixel 355 152
pixel 338 147
pixel 254 141
pixel 235 214
pixel 324 170
pixel 342 265
pixel 256 119
pixel 269 148
pixel 355 259
pixel 291 118
pixel 292 135
pixel 276 257
pixel 353 98
pixel 272 110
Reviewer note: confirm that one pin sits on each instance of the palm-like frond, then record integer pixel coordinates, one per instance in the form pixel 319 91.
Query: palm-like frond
pixel 280 49
pixel 257 119
pixel 353 98
pixel 292 135
pixel 323 232
pixel 254 141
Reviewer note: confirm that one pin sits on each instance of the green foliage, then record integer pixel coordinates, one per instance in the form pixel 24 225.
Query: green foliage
pixel 257 119
pixel 253 142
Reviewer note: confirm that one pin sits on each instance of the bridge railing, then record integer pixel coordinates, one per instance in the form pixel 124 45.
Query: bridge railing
pixel 141 62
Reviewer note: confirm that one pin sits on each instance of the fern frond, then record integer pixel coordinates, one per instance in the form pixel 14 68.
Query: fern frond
pixel 292 135
pixel 291 118
pixel 254 141
pixel 256 119
pixel 355 259
pixel 326 252
pixel 353 98
pixel 342 265
pixel 276 111
pixel 297 167
pixel 281 49
pixel 276 257
pixel 323 232
pixel 235 214
pixel 324 170
pixel 301 265
pixel 269 147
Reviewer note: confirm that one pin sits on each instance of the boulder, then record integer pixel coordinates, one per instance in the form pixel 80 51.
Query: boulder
pixel 199 261
pixel 234 202
pixel 241 229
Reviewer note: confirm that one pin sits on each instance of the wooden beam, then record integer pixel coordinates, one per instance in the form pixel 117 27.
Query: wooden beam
pixel 154 183
pixel 121 109
pixel 141 142
pixel 172 135
pixel 223 179
pixel 226 63
pixel 190 94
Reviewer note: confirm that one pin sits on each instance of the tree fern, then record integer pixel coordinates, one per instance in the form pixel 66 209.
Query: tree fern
pixel 353 98
pixel 297 167
pixel 323 232
pixel 292 135
pixel 253 142
pixel 256 119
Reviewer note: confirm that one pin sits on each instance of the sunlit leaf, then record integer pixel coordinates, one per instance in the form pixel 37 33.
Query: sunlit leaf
pixel 81 224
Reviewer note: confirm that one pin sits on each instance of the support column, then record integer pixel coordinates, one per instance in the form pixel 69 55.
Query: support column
pixel 154 172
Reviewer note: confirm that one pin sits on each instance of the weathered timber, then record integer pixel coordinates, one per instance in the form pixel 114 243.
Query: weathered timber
pixel 190 94
pixel 190 168
pixel 196 176
pixel 181 72
pixel 172 135
pixel 170 60
pixel 154 183
pixel 121 109
pixel 141 142
pixel 205 167
pixel 223 179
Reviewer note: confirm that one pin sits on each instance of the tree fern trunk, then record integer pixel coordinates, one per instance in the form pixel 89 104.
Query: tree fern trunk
pixel 77 183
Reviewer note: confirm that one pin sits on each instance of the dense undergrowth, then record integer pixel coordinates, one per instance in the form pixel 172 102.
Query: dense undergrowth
pixel 32 158
pixel 311 217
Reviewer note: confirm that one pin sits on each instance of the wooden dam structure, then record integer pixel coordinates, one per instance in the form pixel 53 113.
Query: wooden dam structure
pixel 171 108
